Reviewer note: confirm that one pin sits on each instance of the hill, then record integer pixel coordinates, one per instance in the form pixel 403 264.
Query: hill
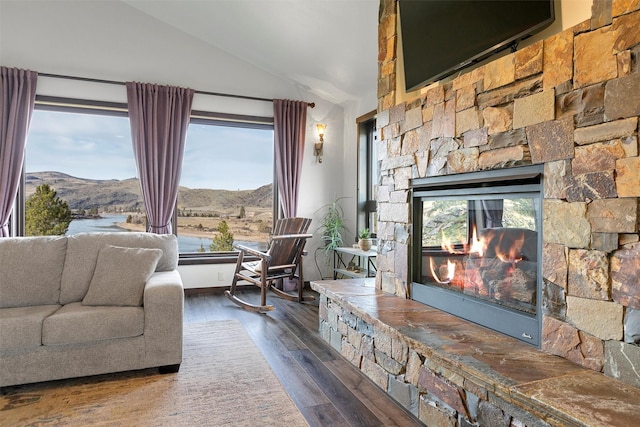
pixel 124 195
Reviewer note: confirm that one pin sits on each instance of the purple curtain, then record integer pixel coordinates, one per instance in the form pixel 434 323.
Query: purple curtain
pixel 159 117
pixel 289 125
pixel 17 99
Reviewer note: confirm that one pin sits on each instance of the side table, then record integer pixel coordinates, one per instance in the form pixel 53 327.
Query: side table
pixel 354 262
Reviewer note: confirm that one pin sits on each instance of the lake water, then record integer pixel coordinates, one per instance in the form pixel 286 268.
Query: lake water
pixel 108 223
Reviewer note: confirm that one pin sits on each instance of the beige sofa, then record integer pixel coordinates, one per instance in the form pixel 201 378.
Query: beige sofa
pixel 88 304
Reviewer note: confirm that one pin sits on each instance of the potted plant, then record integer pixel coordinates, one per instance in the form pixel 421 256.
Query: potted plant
pixel 332 226
pixel 364 239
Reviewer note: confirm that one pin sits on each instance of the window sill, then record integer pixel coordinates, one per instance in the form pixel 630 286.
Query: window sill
pixel 221 258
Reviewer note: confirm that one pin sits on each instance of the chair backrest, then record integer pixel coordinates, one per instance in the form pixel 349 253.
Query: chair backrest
pixel 289 238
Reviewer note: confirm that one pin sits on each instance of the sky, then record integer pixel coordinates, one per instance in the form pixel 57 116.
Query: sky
pixel 99 147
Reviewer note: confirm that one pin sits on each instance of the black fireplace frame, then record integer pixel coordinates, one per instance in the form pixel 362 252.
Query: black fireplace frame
pixel 527 180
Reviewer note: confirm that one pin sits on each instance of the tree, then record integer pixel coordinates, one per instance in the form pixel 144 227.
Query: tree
pixel 224 240
pixel 242 214
pixel 45 213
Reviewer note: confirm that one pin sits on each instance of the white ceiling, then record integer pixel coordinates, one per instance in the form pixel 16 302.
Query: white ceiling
pixel 328 47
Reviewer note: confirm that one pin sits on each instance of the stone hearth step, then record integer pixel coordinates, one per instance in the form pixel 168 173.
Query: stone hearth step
pixel 447 370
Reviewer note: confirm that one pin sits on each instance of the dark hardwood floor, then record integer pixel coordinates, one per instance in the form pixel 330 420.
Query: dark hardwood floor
pixel 327 389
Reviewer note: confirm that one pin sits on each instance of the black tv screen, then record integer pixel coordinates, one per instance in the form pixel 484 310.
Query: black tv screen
pixel 440 37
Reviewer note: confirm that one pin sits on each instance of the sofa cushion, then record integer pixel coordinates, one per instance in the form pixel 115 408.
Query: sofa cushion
pixel 120 276
pixel 82 255
pixel 31 270
pixel 21 327
pixel 76 323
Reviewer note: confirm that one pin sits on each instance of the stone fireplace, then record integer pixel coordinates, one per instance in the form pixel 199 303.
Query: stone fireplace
pixel 568 105
pixel 555 124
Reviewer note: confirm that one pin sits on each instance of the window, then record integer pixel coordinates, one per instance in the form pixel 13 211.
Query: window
pixel 227 179
pixel 87 160
pixel 368 172
pixel 453 222
pixel 86 157
pixel 444 220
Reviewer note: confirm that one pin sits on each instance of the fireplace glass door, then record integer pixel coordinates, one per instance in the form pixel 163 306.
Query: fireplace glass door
pixel 477 254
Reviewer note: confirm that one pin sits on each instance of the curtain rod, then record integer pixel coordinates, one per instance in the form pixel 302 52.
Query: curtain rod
pixel 114 82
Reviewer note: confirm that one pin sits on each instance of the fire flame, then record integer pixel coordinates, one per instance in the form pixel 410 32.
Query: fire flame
pixel 448 246
pixel 510 252
pixel 451 269
pixel 495 264
pixel 492 244
pixel 478 246
pixel 506 250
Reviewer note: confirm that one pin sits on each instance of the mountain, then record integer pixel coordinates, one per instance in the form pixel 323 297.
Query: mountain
pixel 203 199
pixel 124 195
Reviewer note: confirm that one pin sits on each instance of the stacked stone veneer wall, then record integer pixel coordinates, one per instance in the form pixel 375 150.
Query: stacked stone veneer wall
pixel 436 395
pixel 570 102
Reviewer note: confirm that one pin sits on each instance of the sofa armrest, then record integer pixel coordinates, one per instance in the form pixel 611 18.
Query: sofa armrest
pixel 163 318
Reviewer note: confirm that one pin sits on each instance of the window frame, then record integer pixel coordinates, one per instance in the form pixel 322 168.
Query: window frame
pixel 72 105
pixel 230 120
pixel 367 167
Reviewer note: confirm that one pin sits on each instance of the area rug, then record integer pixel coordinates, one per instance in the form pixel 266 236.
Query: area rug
pixel 223 381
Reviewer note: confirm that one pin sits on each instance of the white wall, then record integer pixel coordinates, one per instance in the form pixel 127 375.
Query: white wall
pixel 206 276
pixel 341 151
pixel 568 13
pixel 113 41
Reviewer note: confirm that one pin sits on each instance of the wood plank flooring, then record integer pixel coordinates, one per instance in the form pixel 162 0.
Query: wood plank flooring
pixel 327 389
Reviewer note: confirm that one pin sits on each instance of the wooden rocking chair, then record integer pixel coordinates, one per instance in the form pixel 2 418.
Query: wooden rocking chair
pixel 281 261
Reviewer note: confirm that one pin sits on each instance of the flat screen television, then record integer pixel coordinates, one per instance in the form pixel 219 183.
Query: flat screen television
pixel 441 37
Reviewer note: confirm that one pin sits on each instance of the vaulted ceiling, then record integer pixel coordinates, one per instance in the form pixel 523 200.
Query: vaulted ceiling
pixel 328 47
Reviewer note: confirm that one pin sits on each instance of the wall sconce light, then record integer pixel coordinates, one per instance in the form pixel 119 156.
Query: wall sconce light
pixel 317 151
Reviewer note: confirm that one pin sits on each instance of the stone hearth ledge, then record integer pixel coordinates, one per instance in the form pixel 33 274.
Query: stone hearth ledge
pixel 554 390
